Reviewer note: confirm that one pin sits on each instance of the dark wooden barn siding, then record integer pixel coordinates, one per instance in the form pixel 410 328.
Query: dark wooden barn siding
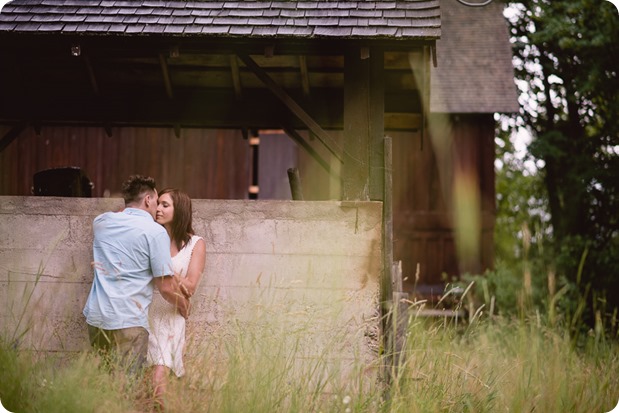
pixel 205 163
pixel 423 208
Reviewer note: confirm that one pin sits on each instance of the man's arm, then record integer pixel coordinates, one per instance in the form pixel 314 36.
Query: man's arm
pixel 170 291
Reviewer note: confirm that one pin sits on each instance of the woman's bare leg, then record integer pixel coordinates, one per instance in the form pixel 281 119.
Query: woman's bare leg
pixel 160 378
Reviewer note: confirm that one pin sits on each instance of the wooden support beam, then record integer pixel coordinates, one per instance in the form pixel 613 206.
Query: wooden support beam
pixel 11 135
pixel 294 107
pixel 425 93
pixel 305 85
pixel 298 139
pixel 91 75
pixel 166 76
pixel 362 172
pixel 376 114
pixel 236 78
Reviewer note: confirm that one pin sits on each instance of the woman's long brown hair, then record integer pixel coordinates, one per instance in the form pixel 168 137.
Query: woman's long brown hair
pixel 182 229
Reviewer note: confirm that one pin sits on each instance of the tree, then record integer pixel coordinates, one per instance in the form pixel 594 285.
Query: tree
pixel 565 56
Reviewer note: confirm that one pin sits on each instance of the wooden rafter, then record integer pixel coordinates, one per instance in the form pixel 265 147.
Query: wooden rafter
pixel 281 94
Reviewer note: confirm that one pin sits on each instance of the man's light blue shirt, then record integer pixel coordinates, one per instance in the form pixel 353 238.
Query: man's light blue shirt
pixel 129 249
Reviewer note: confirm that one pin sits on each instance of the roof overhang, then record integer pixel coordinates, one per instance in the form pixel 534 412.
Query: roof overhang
pixel 176 64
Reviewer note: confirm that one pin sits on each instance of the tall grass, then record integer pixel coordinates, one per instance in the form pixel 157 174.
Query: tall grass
pixel 504 366
pixel 498 365
pixel 490 363
pixel 29 383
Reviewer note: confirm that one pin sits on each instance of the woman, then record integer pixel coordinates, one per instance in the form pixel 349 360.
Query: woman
pixel 167 336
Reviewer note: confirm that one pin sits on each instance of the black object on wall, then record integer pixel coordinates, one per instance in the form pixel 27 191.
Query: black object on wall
pixel 67 182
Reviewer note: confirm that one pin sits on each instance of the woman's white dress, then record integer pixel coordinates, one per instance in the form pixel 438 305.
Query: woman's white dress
pixel 166 341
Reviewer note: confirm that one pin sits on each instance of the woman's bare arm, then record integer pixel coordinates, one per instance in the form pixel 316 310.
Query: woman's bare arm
pixel 190 283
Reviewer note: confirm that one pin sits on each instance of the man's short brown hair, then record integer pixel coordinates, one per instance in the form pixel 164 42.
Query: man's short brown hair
pixel 136 186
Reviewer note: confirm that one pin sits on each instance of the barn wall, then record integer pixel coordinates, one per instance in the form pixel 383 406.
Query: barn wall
pixel 308 270
pixel 205 163
pixel 426 172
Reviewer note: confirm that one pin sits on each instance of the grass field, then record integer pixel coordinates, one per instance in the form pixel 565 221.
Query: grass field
pixel 490 365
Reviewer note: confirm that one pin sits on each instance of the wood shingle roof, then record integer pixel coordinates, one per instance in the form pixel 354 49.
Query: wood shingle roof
pixel 362 19
pixel 474 72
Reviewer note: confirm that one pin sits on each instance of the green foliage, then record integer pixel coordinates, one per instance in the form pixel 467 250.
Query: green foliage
pixel 565 57
pixel 521 208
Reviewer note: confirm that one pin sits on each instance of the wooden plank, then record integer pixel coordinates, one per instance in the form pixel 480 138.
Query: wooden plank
pixel 312 125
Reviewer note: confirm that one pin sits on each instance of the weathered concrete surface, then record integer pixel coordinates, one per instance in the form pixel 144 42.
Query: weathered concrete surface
pixel 305 273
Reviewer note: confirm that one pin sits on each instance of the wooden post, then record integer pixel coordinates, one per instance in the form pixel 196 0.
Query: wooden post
pixel 254 143
pixel 400 317
pixel 295 184
pixel 362 177
pixel 386 292
pixel 393 299
pixel 386 284
pixel 376 108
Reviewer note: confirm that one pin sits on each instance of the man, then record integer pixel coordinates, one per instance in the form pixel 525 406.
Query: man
pixel 131 257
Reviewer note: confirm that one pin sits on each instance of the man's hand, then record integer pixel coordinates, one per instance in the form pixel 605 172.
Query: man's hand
pixel 170 290
pixel 184 309
pixel 183 288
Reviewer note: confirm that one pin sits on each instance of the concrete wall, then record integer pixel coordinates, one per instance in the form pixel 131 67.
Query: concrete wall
pixel 306 273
